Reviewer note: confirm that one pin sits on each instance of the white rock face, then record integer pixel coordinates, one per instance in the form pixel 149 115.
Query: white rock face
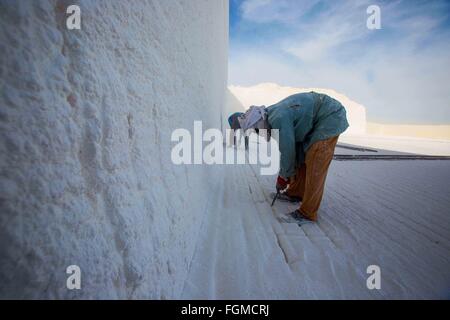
pixel 85 121
pixel 270 93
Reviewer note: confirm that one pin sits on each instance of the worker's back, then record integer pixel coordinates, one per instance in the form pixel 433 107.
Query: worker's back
pixel 314 116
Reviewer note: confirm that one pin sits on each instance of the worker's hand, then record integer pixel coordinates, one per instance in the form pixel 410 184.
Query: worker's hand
pixel 282 183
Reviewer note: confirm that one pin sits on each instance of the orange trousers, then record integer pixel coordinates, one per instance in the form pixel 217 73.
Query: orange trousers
pixel 309 180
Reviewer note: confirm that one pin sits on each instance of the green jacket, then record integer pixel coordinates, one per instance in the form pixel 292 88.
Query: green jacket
pixel 303 119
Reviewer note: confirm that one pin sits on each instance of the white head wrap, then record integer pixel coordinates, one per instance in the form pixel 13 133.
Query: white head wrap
pixel 253 118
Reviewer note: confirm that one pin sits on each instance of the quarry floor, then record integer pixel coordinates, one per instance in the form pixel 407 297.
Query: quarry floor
pixel 393 214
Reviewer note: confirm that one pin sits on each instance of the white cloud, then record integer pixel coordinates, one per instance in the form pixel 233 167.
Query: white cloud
pixel 282 11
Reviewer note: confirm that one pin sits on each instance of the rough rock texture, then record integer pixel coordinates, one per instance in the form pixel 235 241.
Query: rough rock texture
pixel 85 122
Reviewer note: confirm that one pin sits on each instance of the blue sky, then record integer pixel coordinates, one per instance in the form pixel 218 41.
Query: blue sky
pixel 401 73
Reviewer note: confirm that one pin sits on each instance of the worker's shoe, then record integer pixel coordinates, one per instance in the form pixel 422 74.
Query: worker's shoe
pixel 286 198
pixel 301 217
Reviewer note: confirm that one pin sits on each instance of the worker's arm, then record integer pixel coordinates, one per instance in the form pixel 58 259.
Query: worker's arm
pixel 286 145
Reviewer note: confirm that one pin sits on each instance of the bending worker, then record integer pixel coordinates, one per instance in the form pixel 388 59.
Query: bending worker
pixel 235 126
pixel 309 125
